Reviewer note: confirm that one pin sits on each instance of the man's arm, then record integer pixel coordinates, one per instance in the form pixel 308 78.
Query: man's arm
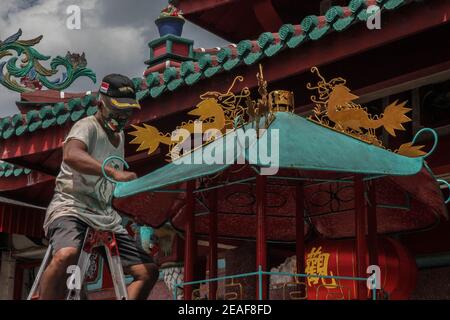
pixel 76 156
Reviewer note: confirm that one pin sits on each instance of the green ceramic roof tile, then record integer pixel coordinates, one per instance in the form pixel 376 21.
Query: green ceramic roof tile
pixel 59 108
pixel 89 100
pixel 77 114
pixel 393 4
pixel 205 61
pixel 91 110
pixel 193 77
pixel 270 43
pixel 224 55
pixel 231 64
pixel 8 170
pixel 249 51
pixel 48 122
pixel 48 119
pixel 174 84
pixel 186 68
pixel 137 83
pixel 157 91
pixel 10 127
pixel 46 112
pixel 209 65
pixel 73 104
pixel 211 71
pixel 47 116
pixel 17 172
pixel 320 28
pixel 153 79
pixel 4 123
pixel 357 5
pixel 61 119
pixel 308 23
pixel 172 78
pixel 343 23
pixel 191 72
pixel 292 35
pixel 21 128
pixel 33 120
pixel 142 94
pixel 170 74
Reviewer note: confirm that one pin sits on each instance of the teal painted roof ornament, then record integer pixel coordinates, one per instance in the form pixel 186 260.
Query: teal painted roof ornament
pixel 30 73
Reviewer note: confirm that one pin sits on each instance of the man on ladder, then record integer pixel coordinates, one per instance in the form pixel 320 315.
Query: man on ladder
pixel 82 199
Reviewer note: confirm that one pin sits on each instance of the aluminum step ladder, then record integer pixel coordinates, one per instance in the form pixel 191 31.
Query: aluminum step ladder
pixel 93 239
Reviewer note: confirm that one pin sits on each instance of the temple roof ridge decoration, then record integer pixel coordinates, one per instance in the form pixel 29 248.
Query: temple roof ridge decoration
pixel 31 73
pixel 10 170
pixel 209 62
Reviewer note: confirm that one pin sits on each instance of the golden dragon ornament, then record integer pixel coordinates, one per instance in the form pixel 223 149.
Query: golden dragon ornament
pixel 335 107
pixel 216 110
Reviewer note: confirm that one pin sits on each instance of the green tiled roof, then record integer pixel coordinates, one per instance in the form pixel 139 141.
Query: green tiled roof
pixel 10 170
pixel 249 52
pixel 51 115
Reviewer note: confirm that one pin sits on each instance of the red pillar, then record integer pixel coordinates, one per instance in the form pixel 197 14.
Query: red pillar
pixel 360 232
pixel 213 244
pixel 300 229
pixel 261 248
pixel 372 226
pixel 189 241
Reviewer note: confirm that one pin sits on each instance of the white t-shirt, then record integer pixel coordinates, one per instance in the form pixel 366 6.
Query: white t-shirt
pixel 88 197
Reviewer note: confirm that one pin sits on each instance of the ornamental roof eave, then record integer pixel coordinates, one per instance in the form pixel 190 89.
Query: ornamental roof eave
pixel 302 145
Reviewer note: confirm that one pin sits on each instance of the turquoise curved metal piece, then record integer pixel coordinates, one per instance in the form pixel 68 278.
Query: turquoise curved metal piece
pixel 31 73
pixel 448 186
pixel 435 136
pixel 106 162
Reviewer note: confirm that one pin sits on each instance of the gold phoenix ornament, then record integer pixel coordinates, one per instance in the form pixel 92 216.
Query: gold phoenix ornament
pixel 335 108
pixel 217 110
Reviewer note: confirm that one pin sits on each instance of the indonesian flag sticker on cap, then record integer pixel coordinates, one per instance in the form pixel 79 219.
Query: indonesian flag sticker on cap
pixel 104 87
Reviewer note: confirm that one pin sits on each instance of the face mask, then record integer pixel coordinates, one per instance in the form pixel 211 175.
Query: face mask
pixel 115 125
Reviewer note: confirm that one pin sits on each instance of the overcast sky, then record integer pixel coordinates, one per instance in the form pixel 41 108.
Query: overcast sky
pixel 114 35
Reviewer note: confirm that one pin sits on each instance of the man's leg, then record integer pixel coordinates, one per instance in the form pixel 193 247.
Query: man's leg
pixel 139 264
pixel 53 283
pixel 145 277
pixel 66 235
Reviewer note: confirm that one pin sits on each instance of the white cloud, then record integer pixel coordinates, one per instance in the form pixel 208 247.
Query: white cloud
pixel 114 35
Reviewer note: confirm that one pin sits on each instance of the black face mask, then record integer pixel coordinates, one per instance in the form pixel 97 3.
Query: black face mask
pixel 114 124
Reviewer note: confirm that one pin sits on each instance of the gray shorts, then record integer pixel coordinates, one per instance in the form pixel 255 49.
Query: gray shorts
pixel 69 232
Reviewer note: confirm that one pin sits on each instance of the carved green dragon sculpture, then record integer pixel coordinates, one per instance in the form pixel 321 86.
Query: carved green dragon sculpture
pixel 31 73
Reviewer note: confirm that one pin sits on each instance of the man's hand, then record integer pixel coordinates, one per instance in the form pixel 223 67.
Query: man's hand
pixel 123 176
